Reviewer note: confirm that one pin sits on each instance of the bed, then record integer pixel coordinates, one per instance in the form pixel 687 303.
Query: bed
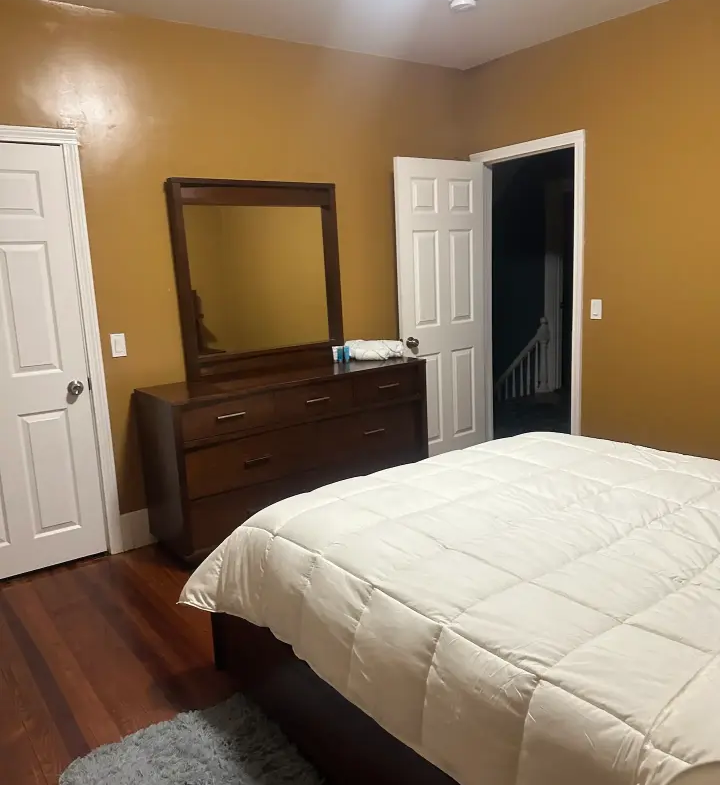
pixel 540 610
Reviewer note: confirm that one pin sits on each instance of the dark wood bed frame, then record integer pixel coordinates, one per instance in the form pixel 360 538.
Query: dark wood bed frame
pixel 346 746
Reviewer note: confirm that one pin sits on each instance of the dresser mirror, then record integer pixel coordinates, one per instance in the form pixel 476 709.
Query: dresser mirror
pixel 257 272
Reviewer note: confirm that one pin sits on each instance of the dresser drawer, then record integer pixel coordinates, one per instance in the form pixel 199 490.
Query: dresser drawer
pixel 389 385
pixel 227 417
pixel 214 518
pixel 248 461
pixel 313 400
pixel 386 431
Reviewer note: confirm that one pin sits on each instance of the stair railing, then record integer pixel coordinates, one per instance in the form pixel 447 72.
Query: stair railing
pixel 528 372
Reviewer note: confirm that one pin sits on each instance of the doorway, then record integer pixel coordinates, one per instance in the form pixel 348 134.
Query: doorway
pixel 532 298
pixel 558 162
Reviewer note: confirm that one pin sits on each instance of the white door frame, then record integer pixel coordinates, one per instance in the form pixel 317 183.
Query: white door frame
pixel 554 258
pixel 68 141
pixel 575 140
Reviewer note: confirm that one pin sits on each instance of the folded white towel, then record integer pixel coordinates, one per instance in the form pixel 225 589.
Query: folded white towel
pixel 374 350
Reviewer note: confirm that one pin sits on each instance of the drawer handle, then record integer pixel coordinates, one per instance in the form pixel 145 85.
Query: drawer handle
pixel 376 432
pixel 257 461
pixel 236 416
pixel 388 386
pixel 317 400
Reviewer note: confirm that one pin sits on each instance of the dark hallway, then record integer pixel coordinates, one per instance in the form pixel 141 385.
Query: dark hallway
pixel 532 268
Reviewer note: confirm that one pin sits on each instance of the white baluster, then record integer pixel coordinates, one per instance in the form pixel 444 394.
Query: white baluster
pixel 543 342
pixel 514 373
pixel 527 375
pixel 530 376
pixel 536 354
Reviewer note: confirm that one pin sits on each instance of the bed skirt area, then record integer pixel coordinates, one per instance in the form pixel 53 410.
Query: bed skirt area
pixel 346 745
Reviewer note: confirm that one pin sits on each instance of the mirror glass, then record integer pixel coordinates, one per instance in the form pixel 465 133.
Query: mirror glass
pixel 258 277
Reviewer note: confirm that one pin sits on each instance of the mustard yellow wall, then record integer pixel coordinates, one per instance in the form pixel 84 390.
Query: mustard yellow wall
pixel 153 100
pixel 274 272
pixel 260 275
pixel 204 237
pixel 647 90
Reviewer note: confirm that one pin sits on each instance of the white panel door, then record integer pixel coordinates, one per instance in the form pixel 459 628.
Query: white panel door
pixel 441 292
pixel 50 496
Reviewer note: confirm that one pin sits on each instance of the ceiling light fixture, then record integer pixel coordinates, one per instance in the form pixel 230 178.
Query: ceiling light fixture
pixel 462 5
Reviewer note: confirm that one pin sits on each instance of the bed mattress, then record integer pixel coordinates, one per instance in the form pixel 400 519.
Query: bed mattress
pixel 541 610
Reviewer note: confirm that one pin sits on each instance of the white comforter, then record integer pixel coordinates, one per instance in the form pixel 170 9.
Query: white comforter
pixel 542 610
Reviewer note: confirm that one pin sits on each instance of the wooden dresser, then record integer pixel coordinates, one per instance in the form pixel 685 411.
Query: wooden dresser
pixel 216 452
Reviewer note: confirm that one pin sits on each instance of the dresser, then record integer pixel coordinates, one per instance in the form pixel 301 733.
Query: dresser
pixel 216 452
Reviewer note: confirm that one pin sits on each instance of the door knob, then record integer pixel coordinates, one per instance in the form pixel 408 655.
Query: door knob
pixel 412 343
pixel 75 387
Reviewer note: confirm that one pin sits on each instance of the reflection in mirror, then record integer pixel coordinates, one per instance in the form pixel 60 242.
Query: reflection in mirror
pixel 258 276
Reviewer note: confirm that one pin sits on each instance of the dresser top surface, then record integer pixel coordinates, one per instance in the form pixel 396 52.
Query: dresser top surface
pixel 180 393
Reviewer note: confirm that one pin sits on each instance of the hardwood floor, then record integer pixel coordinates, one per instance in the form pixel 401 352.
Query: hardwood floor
pixel 92 652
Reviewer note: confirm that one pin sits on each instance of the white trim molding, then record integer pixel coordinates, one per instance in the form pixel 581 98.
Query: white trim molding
pixel 30 135
pixel 554 261
pixel 575 140
pixel 68 141
pixel 524 149
pixel 134 531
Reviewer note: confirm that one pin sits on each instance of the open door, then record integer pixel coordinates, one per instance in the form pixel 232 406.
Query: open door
pixel 442 286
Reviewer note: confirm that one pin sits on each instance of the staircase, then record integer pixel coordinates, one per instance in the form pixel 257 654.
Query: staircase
pixel 528 373
pixel 524 400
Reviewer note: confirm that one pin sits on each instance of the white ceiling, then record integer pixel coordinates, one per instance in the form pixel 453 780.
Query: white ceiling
pixel 422 31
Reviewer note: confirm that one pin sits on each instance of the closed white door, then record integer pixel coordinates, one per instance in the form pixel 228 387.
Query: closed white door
pixel 50 495
pixel 441 292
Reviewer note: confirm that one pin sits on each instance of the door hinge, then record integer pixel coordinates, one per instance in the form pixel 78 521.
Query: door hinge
pixel 89 383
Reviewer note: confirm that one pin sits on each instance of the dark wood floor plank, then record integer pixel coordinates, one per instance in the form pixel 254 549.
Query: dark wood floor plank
pixel 187 679
pixel 166 580
pixel 94 721
pixel 55 699
pixel 119 679
pixel 155 596
pixel 158 579
pixel 103 651
pixel 29 705
pixel 19 765
pixel 157 617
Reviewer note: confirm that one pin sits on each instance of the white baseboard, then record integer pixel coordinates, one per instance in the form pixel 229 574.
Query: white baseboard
pixel 134 531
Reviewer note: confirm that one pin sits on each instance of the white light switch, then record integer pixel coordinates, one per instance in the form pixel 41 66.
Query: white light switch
pixel 596 309
pixel 118 345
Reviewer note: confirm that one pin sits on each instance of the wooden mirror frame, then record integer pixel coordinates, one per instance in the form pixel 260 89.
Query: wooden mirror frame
pixel 181 191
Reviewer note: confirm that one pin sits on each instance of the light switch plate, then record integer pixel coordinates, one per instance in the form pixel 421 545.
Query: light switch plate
pixel 596 307
pixel 118 345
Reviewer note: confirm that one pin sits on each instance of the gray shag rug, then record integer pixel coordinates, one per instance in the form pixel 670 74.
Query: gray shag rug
pixel 232 743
